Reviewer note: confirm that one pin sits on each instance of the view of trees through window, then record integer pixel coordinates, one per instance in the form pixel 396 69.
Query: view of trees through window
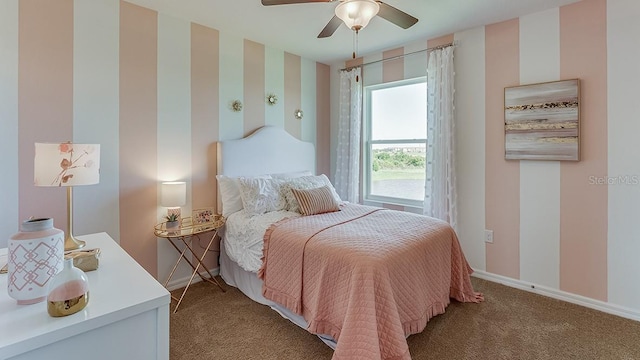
pixel 396 143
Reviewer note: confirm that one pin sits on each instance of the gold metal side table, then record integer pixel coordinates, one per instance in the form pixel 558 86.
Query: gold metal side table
pixel 185 235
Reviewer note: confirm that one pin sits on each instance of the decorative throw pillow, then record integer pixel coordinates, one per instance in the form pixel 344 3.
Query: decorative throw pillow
pixel 230 197
pixel 303 183
pixel 261 195
pixel 316 201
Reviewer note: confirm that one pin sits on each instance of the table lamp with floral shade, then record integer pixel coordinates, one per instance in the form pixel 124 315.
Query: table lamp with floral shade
pixel 69 165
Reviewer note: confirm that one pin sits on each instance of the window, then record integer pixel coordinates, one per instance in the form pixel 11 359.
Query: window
pixel 395 142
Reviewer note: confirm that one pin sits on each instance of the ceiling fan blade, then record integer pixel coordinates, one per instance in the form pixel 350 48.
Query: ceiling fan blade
pixel 285 2
pixel 396 16
pixel 331 27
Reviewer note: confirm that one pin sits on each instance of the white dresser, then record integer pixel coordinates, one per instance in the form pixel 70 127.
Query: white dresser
pixel 127 316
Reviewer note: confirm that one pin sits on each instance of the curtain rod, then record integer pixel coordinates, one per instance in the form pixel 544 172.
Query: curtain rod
pixel 403 55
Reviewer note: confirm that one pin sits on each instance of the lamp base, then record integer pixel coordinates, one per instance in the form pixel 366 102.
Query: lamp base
pixel 71 243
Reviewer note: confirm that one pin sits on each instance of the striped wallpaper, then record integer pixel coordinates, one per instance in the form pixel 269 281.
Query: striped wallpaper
pixel 557 226
pixel 155 92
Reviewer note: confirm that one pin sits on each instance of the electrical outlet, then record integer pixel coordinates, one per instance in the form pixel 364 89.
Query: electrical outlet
pixel 488 236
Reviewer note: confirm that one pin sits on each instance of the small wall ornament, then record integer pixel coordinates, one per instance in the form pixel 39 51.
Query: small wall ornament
pixel 236 105
pixel 272 99
pixel 298 114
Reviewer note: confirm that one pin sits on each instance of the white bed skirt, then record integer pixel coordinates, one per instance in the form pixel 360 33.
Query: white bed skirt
pixel 251 286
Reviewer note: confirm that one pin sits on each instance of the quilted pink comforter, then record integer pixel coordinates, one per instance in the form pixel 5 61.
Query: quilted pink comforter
pixel 368 277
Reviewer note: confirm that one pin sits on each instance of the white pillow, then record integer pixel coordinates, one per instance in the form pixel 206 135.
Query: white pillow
pixel 230 194
pixel 261 195
pixel 305 183
pixel 292 174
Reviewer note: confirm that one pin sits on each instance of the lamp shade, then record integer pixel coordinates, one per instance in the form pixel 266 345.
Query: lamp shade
pixel 173 194
pixel 356 14
pixel 66 164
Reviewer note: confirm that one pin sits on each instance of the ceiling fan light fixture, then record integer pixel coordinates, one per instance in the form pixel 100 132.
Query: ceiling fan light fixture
pixel 356 14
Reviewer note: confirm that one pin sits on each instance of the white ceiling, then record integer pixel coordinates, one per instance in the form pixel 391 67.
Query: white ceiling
pixel 294 28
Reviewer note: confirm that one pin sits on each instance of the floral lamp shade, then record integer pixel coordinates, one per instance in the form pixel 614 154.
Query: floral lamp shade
pixel 66 164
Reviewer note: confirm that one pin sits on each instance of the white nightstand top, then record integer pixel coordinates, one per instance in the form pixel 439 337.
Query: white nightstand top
pixel 118 289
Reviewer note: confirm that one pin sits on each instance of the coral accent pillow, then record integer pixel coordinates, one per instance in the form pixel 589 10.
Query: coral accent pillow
pixel 305 183
pixel 316 201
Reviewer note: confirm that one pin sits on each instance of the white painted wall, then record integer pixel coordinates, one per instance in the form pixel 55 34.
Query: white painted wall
pixel 624 154
pixel 540 180
pixel 9 222
pixel 274 84
pixel 415 60
pixel 174 124
pixel 469 63
pixel 308 106
pixel 96 31
pixel 372 73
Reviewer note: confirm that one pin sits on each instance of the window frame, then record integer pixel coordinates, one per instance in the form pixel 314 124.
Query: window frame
pixel 367 144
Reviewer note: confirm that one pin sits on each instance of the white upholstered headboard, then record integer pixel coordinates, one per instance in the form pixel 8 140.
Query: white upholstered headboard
pixel 268 150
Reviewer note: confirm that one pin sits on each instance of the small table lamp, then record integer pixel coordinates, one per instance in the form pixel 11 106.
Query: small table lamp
pixel 67 165
pixel 173 195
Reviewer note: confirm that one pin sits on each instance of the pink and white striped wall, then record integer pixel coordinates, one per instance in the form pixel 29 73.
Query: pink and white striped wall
pixel 554 228
pixel 154 91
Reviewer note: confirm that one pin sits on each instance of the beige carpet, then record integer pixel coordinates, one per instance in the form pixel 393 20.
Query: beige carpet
pixel 510 324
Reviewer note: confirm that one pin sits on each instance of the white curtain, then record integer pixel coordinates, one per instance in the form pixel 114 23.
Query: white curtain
pixel 347 177
pixel 440 182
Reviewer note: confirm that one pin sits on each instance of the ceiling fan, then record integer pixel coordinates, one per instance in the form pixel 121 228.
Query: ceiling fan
pixel 355 14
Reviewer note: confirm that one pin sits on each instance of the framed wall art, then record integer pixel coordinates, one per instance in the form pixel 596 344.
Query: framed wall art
pixel 542 121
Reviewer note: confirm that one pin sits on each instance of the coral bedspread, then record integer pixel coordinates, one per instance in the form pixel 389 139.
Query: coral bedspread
pixel 367 276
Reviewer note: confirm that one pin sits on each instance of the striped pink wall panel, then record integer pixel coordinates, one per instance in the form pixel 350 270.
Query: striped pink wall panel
pixel 583 207
pixel 254 84
pixel 442 40
pixel 45 98
pixel 502 197
pixel 393 70
pixel 138 133
pixel 205 122
pixel 292 95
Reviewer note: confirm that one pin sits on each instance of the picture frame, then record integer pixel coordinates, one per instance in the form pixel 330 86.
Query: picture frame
pixel 542 121
pixel 203 216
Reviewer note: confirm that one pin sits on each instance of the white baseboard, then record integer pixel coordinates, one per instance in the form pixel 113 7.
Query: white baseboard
pixel 182 282
pixel 560 295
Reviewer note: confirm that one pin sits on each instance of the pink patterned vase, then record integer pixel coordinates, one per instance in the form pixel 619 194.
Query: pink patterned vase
pixel 35 256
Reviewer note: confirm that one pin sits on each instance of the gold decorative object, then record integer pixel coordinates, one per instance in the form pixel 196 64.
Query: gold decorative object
pixel 236 105
pixel 183 240
pixel 272 99
pixel 298 114
pixel 85 259
pixel 69 291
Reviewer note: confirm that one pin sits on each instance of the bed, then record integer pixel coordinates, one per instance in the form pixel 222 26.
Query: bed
pixel 361 278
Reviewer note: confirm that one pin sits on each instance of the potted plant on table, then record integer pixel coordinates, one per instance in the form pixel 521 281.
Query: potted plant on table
pixel 173 221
